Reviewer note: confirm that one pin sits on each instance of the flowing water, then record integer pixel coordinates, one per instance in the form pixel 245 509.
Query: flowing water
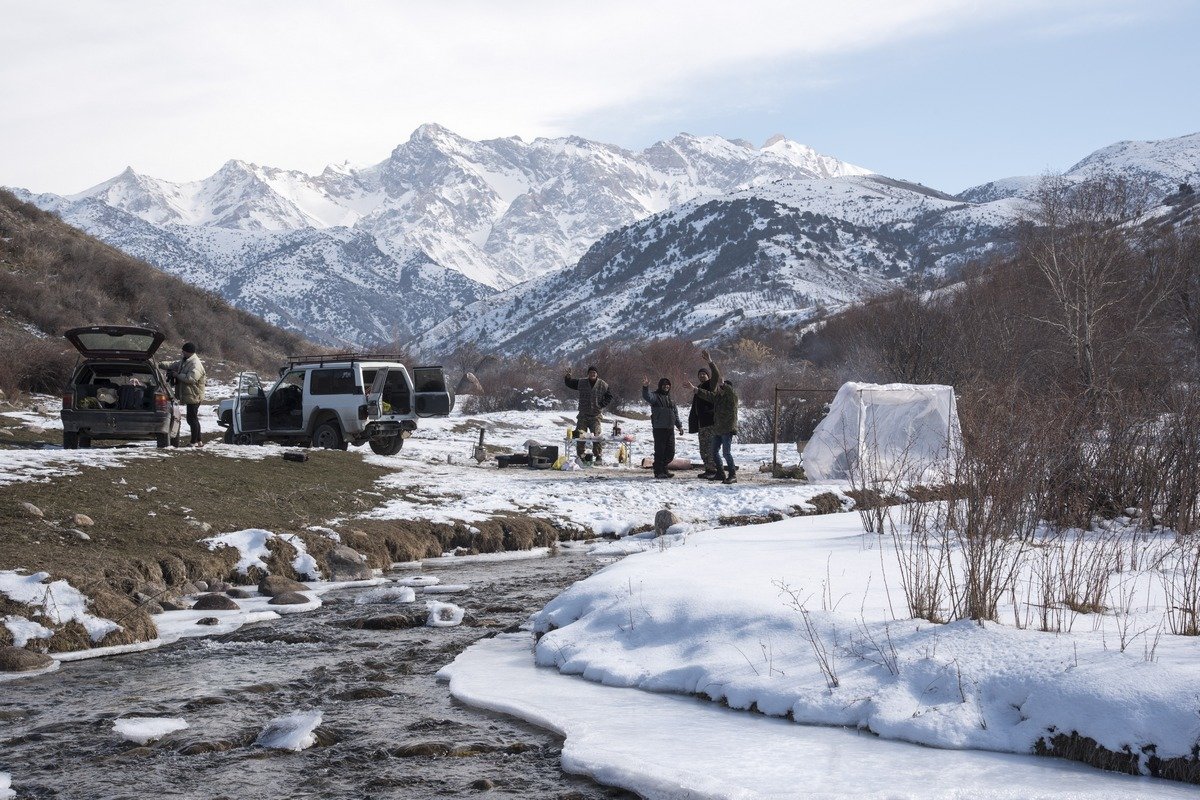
pixel 390 730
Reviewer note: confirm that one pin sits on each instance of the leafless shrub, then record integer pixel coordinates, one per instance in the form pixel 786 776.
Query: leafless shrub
pixel 822 653
pixel 1181 580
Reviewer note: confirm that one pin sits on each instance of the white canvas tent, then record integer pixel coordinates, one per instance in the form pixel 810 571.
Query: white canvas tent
pixel 898 432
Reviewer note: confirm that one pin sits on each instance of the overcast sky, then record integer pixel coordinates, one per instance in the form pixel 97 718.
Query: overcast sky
pixel 950 93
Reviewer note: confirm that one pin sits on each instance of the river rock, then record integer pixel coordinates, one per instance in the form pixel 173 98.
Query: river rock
pixel 18 659
pixel 173 604
pixel 347 564
pixel 218 586
pixel 214 602
pixel 364 693
pixel 664 520
pixel 203 527
pixel 202 586
pixel 80 535
pixel 32 511
pixel 208 621
pixel 423 750
pixel 288 599
pixel 483 784
pixel 82 521
pixel 469 384
pixel 277 584
pixel 240 594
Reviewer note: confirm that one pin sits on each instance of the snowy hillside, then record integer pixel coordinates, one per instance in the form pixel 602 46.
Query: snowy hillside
pixel 772 253
pixel 333 285
pixel 1162 164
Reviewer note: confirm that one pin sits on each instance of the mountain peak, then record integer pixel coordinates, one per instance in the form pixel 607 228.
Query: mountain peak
pixel 774 140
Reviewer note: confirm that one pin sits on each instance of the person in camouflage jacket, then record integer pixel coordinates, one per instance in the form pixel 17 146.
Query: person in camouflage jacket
pixel 594 397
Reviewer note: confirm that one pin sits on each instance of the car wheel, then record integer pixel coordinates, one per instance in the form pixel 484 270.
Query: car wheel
pixel 84 442
pixel 387 447
pixel 162 440
pixel 70 440
pixel 243 439
pixel 329 436
pixel 174 441
pixel 228 437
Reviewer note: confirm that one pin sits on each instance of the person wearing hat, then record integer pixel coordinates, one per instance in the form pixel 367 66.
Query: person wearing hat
pixel 700 418
pixel 189 388
pixel 664 421
pixel 725 423
pixel 594 397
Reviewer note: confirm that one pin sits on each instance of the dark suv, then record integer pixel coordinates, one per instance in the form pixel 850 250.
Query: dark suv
pixel 116 390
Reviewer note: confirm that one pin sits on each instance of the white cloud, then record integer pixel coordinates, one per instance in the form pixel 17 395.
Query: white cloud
pixel 176 89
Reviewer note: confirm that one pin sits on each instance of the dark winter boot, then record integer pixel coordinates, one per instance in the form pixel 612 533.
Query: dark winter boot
pixel 732 476
pixel 708 473
pixel 717 476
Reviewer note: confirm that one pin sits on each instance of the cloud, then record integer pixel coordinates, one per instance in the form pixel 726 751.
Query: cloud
pixel 178 88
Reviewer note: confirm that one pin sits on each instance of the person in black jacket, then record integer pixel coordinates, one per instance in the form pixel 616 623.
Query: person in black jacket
pixel 700 419
pixel 664 421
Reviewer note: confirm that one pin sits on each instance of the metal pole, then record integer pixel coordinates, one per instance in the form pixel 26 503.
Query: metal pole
pixel 775 436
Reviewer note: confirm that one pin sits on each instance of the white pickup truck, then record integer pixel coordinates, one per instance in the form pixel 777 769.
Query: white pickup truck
pixel 334 401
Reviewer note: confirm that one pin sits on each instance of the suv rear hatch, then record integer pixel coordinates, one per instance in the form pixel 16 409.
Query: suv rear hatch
pixel 115 341
pixel 433 397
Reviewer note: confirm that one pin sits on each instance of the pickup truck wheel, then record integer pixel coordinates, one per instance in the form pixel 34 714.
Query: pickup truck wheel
pixel 84 441
pixel 228 437
pixel 328 435
pixel 162 440
pixel 70 440
pixel 387 447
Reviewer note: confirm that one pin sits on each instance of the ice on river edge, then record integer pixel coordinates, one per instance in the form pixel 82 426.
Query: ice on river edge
pixel 143 730
pixel 295 731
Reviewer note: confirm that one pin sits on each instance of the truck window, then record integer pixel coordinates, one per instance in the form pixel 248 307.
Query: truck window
pixel 333 381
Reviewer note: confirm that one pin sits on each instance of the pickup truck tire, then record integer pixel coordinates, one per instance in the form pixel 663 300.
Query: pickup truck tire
pixel 162 440
pixel 85 441
pixel 387 447
pixel 228 437
pixel 70 440
pixel 328 435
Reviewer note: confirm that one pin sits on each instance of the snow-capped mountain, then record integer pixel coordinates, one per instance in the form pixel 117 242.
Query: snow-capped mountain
pixel 498 211
pixel 693 235
pixel 365 255
pixel 1162 165
pixel 769 254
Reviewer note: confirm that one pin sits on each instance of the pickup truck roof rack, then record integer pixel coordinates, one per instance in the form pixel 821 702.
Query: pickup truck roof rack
pixel 333 358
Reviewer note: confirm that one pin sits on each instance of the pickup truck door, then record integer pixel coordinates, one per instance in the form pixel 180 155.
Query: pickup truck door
pixel 431 396
pixel 249 405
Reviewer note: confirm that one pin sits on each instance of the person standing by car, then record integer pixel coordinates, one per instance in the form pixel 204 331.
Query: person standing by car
pixel 725 424
pixel 664 421
pixel 594 397
pixel 189 388
pixel 700 418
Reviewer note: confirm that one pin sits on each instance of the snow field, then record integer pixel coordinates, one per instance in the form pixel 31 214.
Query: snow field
pixel 666 747
pixel 805 617
pixel 606 500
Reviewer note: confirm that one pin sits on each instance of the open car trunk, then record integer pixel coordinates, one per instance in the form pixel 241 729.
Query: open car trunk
pixel 115 341
pixel 115 387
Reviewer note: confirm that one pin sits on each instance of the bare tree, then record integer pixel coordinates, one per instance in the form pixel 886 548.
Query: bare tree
pixel 1099 295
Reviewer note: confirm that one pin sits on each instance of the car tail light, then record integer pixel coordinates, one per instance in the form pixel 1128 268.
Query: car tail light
pixel 161 401
pixel 68 399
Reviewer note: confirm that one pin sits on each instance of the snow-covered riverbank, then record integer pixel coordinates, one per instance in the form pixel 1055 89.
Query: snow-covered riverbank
pixel 805 619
